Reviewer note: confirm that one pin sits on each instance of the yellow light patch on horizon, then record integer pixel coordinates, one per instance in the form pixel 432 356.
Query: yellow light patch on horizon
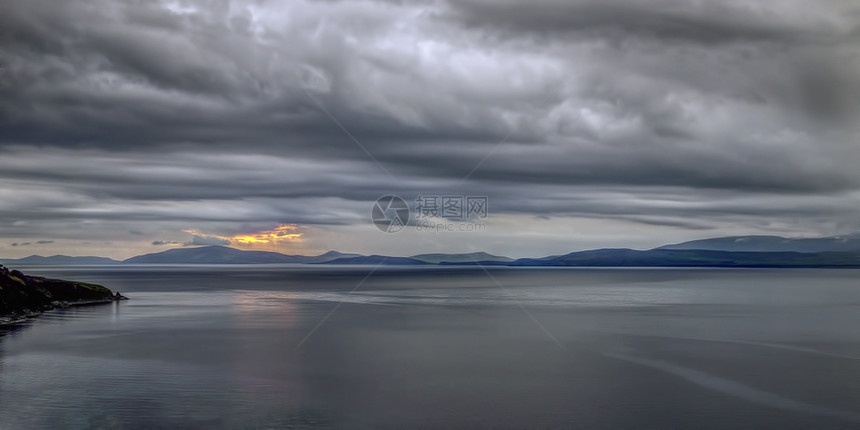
pixel 280 233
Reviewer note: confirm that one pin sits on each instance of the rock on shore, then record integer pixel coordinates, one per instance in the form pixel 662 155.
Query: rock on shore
pixel 23 296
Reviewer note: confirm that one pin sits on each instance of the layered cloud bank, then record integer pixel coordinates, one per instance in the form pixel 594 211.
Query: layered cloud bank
pixel 585 123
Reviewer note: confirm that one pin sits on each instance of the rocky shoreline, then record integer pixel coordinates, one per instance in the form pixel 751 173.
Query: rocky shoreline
pixel 23 296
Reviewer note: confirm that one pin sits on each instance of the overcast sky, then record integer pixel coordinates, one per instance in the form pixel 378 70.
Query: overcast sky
pixel 129 127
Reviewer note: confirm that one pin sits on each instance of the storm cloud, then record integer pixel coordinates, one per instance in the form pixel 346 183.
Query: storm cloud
pixel 606 122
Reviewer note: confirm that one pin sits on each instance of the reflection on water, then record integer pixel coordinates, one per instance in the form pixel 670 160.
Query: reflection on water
pixel 217 347
pixel 494 296
pixel 739 390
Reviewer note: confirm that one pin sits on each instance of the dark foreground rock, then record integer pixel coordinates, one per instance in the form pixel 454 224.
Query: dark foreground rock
pixel 23 296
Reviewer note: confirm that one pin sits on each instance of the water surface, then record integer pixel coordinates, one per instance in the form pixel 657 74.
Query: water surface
pixel 321 347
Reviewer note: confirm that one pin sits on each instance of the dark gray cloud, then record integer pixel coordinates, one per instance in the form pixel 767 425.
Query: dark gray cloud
pixel 206 240
pixel 125 120
pixel 707 23
pixel 38 242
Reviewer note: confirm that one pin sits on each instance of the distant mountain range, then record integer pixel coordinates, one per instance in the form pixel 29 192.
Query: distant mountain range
pixel 225 255
pixel 736 251
pixel 848 243
pixel 377 260
pixel 460 258
pixel 60 260
pixel 198 255
pixel 694 258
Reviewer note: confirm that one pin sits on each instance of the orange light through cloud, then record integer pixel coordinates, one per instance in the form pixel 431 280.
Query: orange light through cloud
pixel 281 233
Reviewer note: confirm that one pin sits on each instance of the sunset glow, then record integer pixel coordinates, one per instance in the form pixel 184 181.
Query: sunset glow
pixel 284 232
pixel 281 233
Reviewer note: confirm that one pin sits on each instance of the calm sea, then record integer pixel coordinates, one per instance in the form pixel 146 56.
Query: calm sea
pixel 321 347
